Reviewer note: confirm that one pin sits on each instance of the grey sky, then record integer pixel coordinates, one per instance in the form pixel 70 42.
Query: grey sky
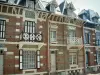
pixel 85 4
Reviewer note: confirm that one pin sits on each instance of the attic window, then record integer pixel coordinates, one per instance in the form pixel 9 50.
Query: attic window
pixel 30 4
pixel 52 8
pixel 71 21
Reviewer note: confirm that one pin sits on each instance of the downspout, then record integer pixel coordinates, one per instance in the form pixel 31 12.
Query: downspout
pixel 84 50
pixel 48 52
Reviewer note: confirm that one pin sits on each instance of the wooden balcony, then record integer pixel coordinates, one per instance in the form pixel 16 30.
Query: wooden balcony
pixel 74 43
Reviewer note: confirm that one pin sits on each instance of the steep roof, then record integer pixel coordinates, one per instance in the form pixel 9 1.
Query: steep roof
pixel 89 15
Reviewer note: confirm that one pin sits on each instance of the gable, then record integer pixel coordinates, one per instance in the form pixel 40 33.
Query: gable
pixel 40 6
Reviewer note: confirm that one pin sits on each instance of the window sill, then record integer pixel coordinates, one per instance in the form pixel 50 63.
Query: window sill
pixel 73 66
pixel 53 42
pixel 87 44
pixel 3 40
pixel 29 70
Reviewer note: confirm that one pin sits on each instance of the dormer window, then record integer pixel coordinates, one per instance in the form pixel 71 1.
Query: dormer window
pixel 30 4
pixel 52 8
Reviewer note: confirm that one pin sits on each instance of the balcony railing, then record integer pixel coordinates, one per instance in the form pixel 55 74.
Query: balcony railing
pixel 74 41
pixel 31 37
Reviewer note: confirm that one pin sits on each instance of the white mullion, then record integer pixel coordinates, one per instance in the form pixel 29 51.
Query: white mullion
pixel 21 62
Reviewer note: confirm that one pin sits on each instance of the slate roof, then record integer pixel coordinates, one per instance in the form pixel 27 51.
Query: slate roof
pixel 89 15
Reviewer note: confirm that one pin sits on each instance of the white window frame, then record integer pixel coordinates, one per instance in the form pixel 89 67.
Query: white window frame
pixel 2 29
pixel 72 59
pixel 70 30
pixel 53 40
pixel 36 60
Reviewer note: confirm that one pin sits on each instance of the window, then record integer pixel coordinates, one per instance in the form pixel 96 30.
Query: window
pixel 87 58
pixel 71 31
pixel 53 36
pixel 72 59
pixel 29 27
pixel 98 57
pixel 2 29
pixel 87 38
pixel 29 59
pixel 30 4
pixel 97 38
pixel 52 8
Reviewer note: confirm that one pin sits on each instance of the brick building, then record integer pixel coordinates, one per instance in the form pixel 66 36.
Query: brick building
pixel 91 40
pixel 40 42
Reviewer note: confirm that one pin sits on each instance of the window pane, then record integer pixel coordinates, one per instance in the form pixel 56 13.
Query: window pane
pixel 29 59
pixel 2 28
pixel 74 59
pixel 53 35
pixel 29 27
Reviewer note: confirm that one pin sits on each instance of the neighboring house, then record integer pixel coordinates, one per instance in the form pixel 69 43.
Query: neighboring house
pixel 91 39
pixel 67 9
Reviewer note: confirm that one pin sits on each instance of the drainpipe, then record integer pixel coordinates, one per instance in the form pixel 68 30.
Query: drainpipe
pixel 84 50
pixel 48 48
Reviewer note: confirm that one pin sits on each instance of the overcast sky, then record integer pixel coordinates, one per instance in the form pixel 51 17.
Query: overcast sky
pixel 85 4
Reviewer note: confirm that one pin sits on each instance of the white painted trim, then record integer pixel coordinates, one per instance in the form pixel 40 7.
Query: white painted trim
pixel 89 28
pixel 9 53
pixel 94 38
pixel 60 53
pixel 10 14
pixel 16 57
pixel 5 49
pixel 41 57
pixel 53 26
pixel 40 73
pixel 17 65
pixel 17 23
pixel 31 49
pixel 41 64
pixel 35 70
pixel 17 37
pixel 17 30
pixel 53 49
pixel 3 40
pixel 58 45
pixel 26 43
pixel 93 34
pixel 17 16
pixel 29 19
pixel 89 46
pixel 70 24
pixel 7 20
